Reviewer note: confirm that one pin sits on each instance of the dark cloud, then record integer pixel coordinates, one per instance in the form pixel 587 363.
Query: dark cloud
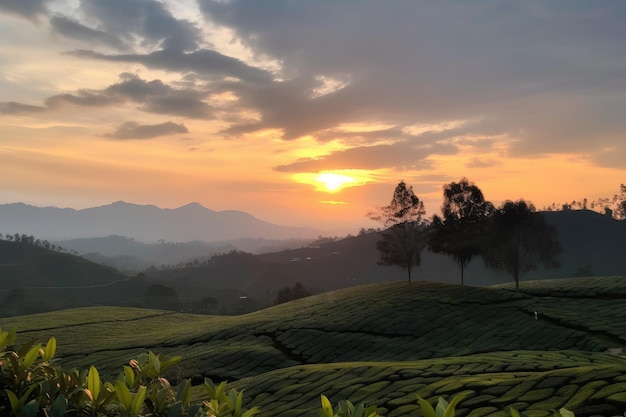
pixel 75 30
pixel 147 20
pixel 133 130
pixel 28 9
pixel 407 154
pixel 204 62
pixel 11 107
pixel 551 74
pixel 150 96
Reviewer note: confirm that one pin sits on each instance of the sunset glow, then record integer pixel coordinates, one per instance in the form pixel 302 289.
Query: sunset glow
pixel 308 122
pixel 334 182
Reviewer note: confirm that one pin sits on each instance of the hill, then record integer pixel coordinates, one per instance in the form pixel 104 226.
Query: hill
pixel 131 255
pixel 382 343
pixel 27 265
pixel 146 223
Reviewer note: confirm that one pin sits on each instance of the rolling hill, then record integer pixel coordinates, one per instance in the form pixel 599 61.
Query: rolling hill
pixel 538 349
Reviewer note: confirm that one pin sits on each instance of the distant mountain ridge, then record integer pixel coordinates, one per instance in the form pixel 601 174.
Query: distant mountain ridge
pixel 147 223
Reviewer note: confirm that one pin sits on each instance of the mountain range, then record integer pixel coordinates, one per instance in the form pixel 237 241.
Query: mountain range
pixel 145 223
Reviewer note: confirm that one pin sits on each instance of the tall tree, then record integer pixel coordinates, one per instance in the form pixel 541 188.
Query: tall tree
pixel 460 233
pixel 404 236
pixel 519 239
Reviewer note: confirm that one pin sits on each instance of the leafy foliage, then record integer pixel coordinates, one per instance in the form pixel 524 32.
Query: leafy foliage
pixel 33 385
pixel 291 293
pixel 520 238
pixel 405 238
pixel 460 233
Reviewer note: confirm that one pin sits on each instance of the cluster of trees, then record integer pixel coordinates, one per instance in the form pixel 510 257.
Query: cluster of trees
pixel 31 240
pixel 513 237
pixel 291 293
pixel 613 207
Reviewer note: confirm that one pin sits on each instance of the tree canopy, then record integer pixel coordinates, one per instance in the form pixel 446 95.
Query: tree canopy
pixel 519 240
pixel 404 239
pixel 460 233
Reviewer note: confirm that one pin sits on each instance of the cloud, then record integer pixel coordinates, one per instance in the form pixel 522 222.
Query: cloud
pixel 204 62
pixel 11 107
pixel 150 96
pixel 482 163
pixel 133 130
pixel 538 70
pixel 406 154
pixel 28 9
pixel 148 21
pixel 72 29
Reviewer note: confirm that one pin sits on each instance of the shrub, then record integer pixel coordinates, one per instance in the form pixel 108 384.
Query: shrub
pixel 32 384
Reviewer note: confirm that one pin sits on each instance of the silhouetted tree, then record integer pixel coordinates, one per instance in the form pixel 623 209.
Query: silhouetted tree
pixel 620 206
pixel 519 239
pixel 291 293
pixel 404 239
pixel 460 233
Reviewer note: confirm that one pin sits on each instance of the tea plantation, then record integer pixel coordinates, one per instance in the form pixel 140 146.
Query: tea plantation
pixel 555 343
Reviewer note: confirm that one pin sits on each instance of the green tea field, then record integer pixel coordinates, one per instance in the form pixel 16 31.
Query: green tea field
pixel 554 343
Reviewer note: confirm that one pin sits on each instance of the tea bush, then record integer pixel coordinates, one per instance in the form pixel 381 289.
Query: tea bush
pixel 32 384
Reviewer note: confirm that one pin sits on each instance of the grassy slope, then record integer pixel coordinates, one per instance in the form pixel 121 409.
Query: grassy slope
pixel 381 343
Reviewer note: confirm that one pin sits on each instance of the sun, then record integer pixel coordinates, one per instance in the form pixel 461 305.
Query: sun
pixel 334 182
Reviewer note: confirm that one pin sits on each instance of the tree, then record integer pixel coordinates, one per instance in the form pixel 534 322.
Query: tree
pixel 291 293
pixel 519 239
pixel 404 239
pixel 460 233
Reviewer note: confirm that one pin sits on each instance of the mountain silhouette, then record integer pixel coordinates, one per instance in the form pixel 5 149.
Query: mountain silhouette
pixel 146 223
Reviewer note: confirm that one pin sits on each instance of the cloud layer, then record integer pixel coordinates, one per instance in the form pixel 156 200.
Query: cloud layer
pixel 402 89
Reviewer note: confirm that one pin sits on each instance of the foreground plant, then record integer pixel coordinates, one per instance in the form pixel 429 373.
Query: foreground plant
pixel 32 385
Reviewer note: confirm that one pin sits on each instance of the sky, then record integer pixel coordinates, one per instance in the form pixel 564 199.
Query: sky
pixel 308 113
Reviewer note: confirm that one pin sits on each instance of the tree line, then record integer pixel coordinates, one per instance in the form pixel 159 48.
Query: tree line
pixel 31 240
pixel 613 207
pixel 514 237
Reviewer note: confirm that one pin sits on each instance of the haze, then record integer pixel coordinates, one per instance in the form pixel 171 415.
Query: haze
pixel 253 105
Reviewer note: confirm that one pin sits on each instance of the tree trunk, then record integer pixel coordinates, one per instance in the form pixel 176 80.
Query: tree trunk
pixel 462 278
pixel 409 271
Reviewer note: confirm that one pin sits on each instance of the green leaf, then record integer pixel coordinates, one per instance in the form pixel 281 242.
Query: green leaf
pixel 31 409
pixel 169 362
pixel 238 403
pixel 6 338
pixel 250 412
pixel 442 406
pixel 123 394
pixel 93 382
pixel 450 408
pixel 50 350
pixel 129 376
pixel 15 402
pixel 155 363
pixel 176 410
pixel 358 410
pixel 138 402
pixel 327 408
pixel 427 409
pixel 564 412
pixel 515 413
pixel 59 407
pixel 193 410
pixel 31 356
pixel 183 393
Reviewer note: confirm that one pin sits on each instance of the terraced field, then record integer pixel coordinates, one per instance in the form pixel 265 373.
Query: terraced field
pixel 538 349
